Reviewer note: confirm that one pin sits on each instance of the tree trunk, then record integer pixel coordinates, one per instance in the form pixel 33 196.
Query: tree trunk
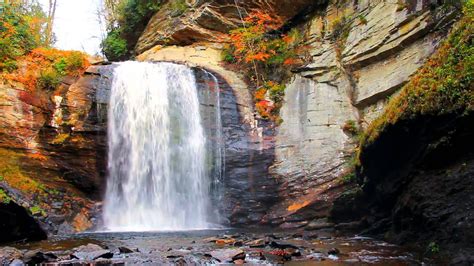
pixel 49 25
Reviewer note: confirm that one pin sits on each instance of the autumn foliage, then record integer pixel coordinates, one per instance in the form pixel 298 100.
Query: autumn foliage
pixel 269 98
pixel 24 54
pixel 258 41
pixel 44 68
pixel 260 48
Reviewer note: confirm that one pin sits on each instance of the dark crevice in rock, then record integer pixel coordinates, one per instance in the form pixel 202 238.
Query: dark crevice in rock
pixel 16 224
pixel 417 181
pixel 305 15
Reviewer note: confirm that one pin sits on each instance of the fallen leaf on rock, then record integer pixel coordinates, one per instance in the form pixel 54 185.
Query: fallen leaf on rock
pixel 225 241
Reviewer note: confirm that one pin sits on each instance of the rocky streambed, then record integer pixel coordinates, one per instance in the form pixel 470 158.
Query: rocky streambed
pixel 209 247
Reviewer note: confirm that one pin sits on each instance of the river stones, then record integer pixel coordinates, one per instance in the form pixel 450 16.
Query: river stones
pixel 125 250
pixel 91 252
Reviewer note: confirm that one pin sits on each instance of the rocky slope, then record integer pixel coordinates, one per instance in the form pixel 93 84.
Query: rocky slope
pixel 415 160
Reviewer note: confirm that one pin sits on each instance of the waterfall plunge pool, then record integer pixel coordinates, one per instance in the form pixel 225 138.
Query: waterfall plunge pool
pixel 204 247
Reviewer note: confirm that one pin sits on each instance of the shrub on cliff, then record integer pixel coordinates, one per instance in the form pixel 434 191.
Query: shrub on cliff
pixel 445 84
pixel 260 48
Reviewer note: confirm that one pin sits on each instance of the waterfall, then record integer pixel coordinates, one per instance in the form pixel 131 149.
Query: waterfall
pixel 158 179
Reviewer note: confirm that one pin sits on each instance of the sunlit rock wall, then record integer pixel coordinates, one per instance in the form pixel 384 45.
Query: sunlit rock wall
pixel 52 150
pixel 347 81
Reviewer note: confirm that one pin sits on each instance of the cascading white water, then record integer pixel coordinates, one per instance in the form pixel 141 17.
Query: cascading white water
pixel 157 151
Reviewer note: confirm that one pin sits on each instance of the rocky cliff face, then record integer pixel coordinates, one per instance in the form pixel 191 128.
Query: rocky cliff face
pixel 349 79
pixel 361 52
pixel 209 20
pixel 52 148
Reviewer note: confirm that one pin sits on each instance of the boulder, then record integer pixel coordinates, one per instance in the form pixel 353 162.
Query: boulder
pixel 9 254
pixel 226 255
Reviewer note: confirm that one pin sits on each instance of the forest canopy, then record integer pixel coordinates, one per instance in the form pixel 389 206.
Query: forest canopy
pixel 23 27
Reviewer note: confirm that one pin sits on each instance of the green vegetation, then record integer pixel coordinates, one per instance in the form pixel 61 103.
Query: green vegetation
pixel 349 177
pixel 178 7
pixel 14 176
pixel 4 197
pixel 127 20
pixel 433 248
pixel 59 66
pixel 362 19
pixel 227 56
pixel 350 173
pixel 351 127
pixel 341 28
pixel 49 79
pixel 443 85
pixel 401 5
pixel 114 46
pixel 45 68
pixel 37 210
pixel 354 131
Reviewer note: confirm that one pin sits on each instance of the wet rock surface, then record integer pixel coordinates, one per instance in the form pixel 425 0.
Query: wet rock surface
pixel 210 247
pixel 245 189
